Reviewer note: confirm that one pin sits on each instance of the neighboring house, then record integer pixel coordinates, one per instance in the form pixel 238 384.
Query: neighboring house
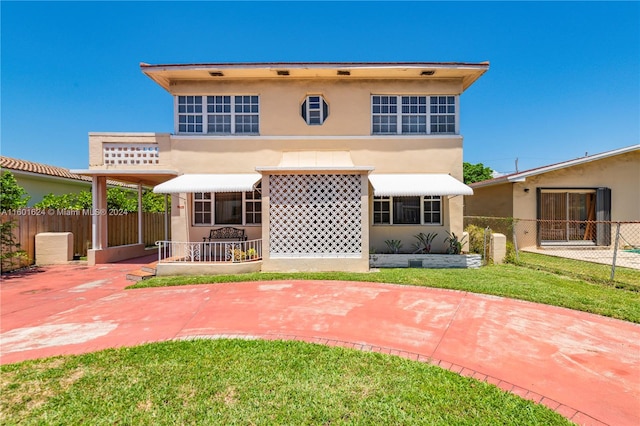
pixel 565 198
pixel 41 179
pixel 321 162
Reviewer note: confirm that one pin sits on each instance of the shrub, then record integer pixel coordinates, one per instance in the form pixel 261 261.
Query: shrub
pixel 394 246
pixel 510 256
pixel 12 197
pixel 424 242
pixel 476 239
pixel 455 243
pixel 252 253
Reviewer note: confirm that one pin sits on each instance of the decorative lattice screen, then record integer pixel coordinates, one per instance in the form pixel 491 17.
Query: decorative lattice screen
pixel 315 215
pixel 127 154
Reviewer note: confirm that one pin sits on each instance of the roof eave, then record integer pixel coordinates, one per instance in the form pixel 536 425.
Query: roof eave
pixel 522 176
pixel 161 73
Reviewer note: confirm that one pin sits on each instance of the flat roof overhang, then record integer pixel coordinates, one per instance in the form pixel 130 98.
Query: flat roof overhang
pixel 149 178
pixel 165 74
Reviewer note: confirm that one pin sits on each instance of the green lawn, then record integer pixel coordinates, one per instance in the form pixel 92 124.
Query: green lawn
pixel 528 282
pixel 625 278
pixel 252 382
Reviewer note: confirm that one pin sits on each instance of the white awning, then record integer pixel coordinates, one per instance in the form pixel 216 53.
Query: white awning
pixel 209 183
pixel 417 185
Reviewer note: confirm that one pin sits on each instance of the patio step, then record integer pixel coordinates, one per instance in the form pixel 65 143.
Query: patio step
pixel 145 272
pixel 139 275
pixel 151 267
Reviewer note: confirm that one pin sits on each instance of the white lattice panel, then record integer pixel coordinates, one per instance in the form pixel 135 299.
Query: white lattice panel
pixel 315 215
pixel 130 154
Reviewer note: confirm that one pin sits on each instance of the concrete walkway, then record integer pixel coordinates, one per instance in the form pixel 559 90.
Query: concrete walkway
pixel 586 367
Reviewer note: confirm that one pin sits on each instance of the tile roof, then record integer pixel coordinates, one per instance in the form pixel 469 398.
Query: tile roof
pixel 14 164
pixel 39 168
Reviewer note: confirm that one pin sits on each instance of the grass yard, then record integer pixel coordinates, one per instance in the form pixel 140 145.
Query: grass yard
pixel 530 282
pixel 625 278
pixel 252 382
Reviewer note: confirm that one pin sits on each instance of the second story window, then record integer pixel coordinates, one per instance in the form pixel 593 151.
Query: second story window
pixel 218 115
pixel 385 114
pixel 418 115
pixel 315 110
pixel 246 114
pixel 190 114
pixel 414 114
pixel 443 114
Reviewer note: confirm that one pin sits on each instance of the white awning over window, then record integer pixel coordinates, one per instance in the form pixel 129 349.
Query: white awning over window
pixel 209 183
pixel 417 185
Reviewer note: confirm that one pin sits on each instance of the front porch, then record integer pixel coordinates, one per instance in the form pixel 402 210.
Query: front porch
pixel 210 258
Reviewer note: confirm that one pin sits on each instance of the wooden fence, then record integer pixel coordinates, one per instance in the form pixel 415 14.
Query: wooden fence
pixel 122 229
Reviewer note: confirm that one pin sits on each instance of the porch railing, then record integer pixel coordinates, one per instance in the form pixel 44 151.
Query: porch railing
pixel 226 252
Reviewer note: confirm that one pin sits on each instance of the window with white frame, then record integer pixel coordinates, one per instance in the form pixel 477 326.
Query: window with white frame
pixel 421 115
pixel 253 206
pixel 382 210
pixel 414 114
pixel 227 208
pixel 442 114
pixel 414 210
pixel 218 115
pixel 190 114
pixel 246 114
pixel 385 114
pixel 202 207
pixel 315 110
pixel 432 209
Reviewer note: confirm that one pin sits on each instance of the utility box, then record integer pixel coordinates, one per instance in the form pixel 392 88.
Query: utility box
pixel 54 247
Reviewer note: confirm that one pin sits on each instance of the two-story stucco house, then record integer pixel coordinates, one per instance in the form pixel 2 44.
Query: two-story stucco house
pixel 318 163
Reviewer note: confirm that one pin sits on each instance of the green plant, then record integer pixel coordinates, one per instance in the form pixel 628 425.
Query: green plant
pixel 476 172
pixel 11 255
pixel 394 246
pixel 510 256
pixel 117 199
pixel 476 239
pixel 237 255
pixel 252 253
pixel 455 243
pixel 424 242
pixel 12 195
pixel 79 201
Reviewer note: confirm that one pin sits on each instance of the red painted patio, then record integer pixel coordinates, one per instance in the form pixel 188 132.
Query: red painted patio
pixel 586 367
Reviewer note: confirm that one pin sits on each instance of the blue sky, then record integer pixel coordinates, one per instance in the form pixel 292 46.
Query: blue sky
pixel 564 77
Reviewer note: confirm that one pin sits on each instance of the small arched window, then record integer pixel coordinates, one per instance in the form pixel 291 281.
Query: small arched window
pixel 315 110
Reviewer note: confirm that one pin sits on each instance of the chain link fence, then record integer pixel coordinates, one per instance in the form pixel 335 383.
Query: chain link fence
pixel 611 249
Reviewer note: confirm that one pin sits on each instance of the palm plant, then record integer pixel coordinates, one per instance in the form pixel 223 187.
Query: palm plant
pixel 424 242
pixel 394 245
pixel 455 243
